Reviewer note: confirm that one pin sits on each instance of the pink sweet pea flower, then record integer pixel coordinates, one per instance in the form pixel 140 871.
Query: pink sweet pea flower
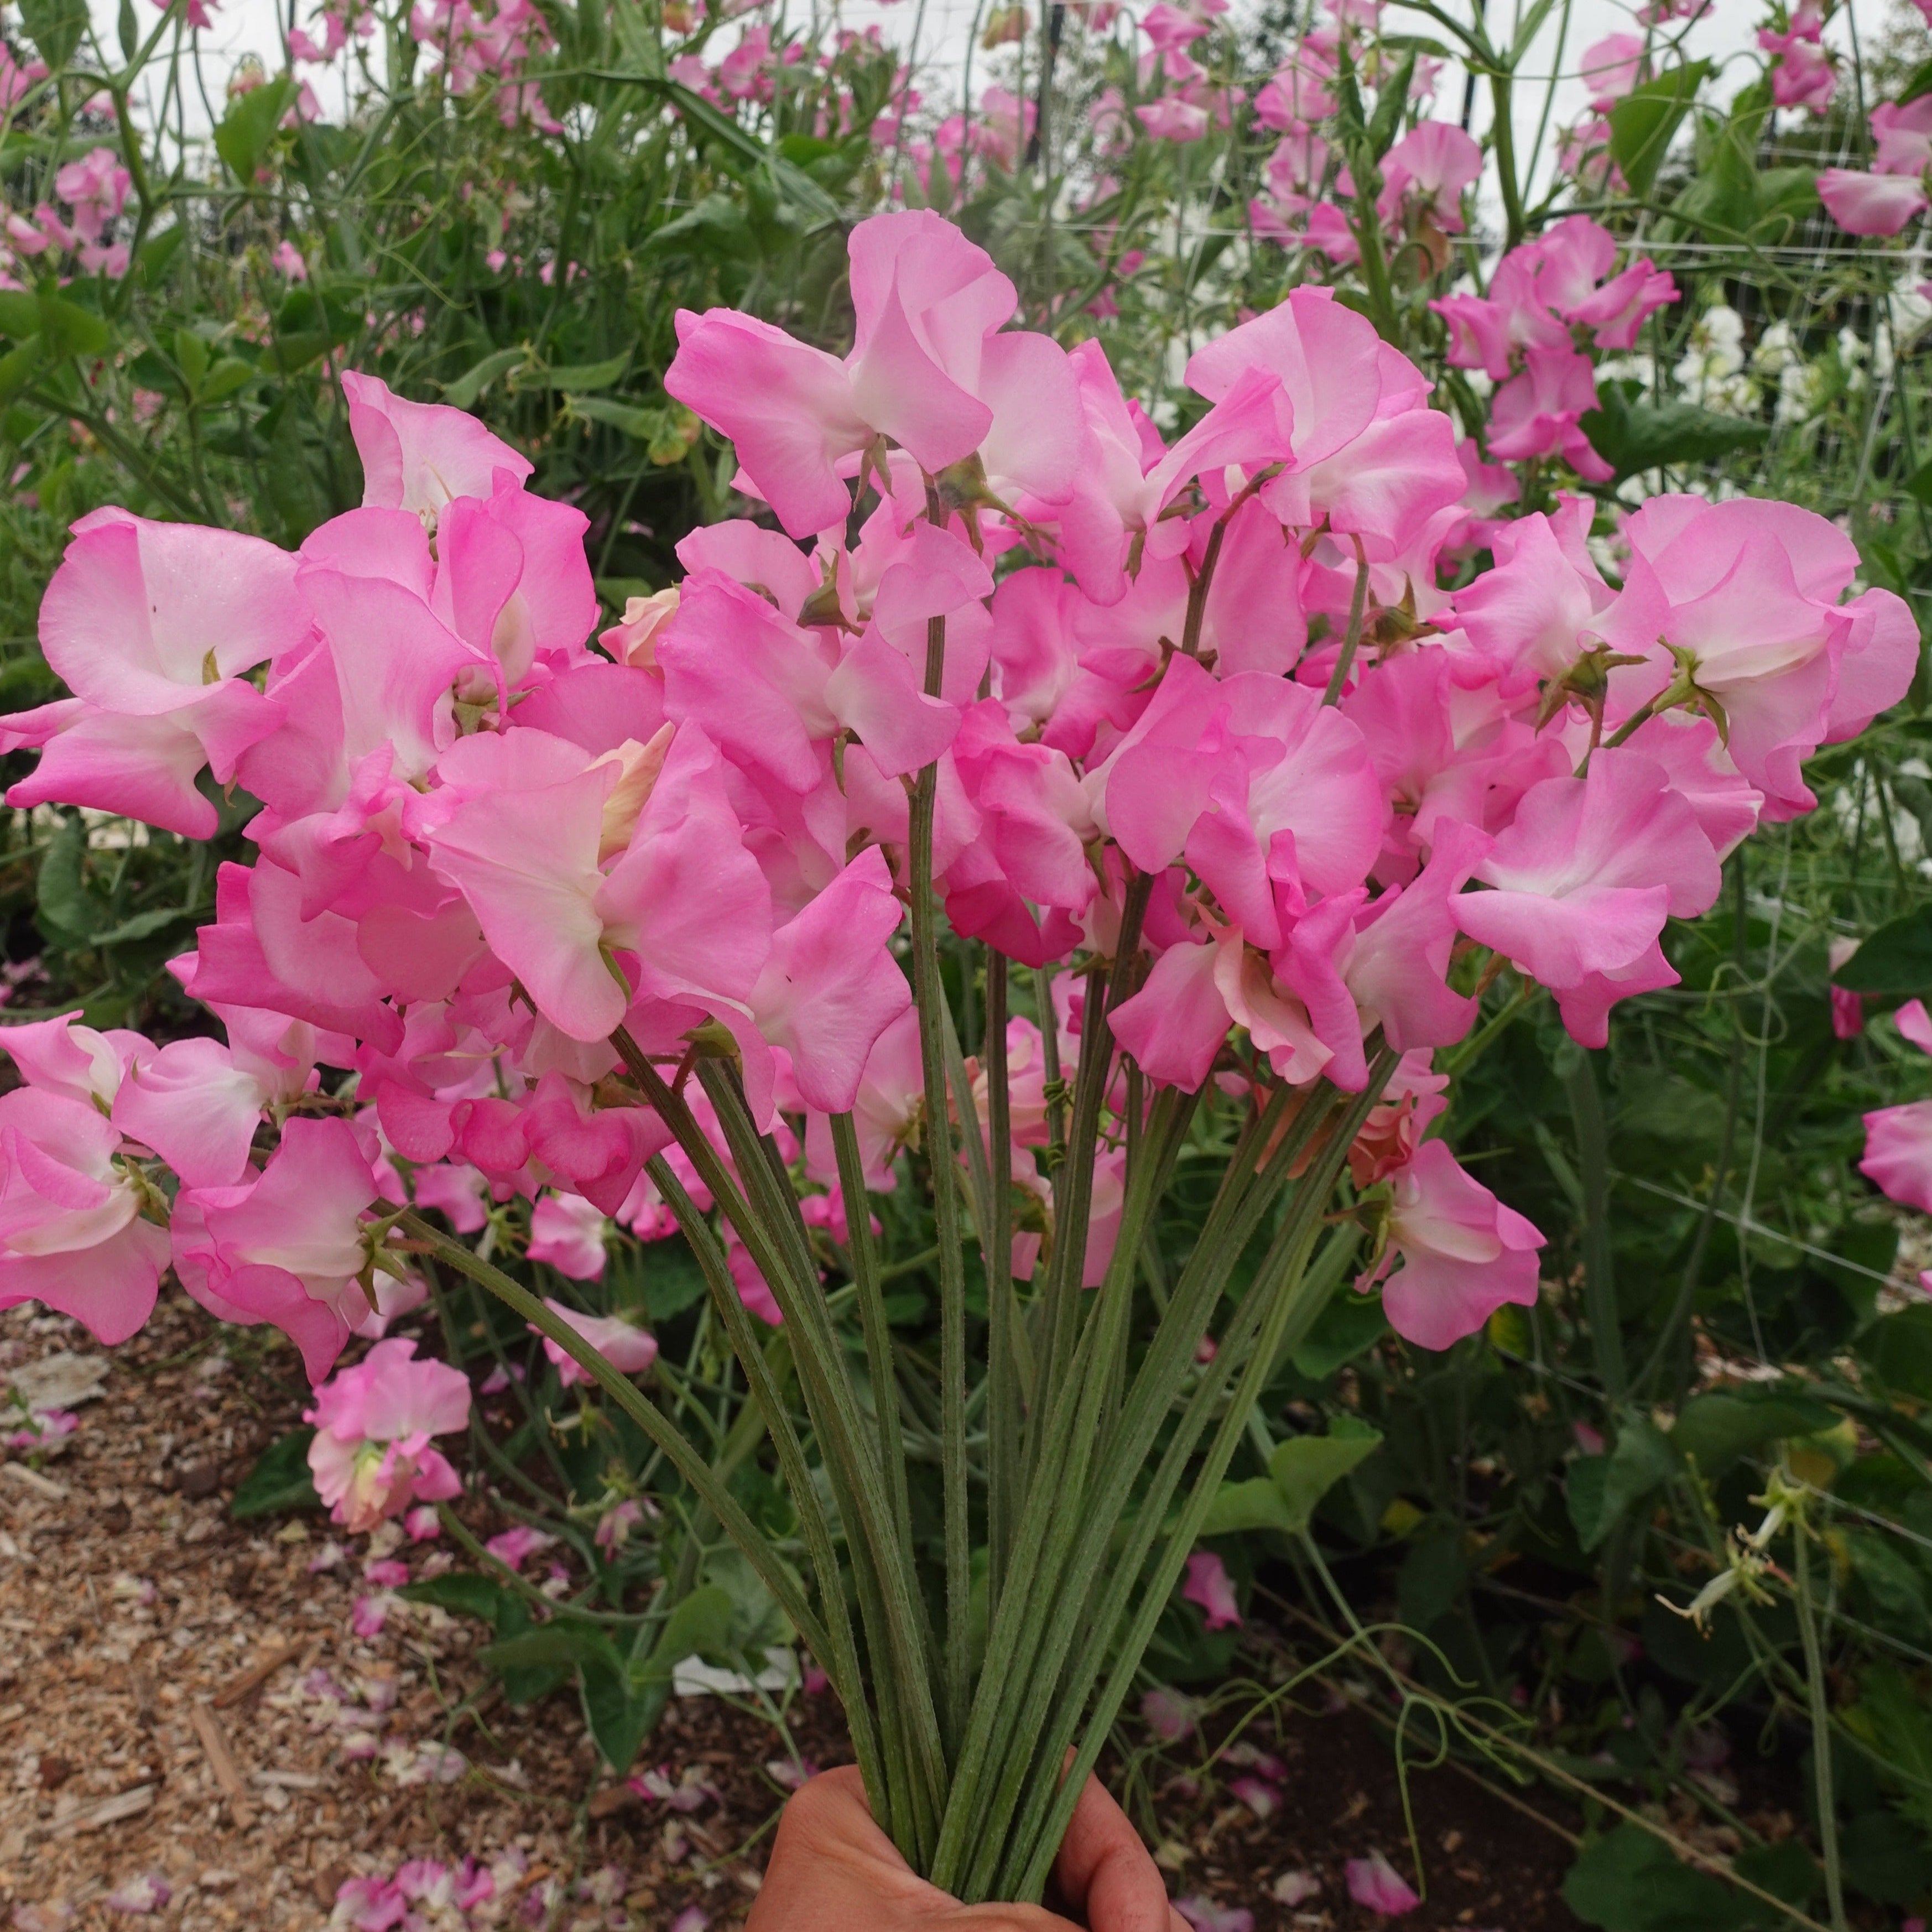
pixel 286 1246
pixel 515 1547
pixel 830 987
pixel 1538 412
pixel 1609 68
pixel 1898 1140
pixel 932 368
pixel 568 1231
pixel 96 188
pixel 1426 171
pixel 532 824
pixel 1204 1915
pixel 1463 1253
pixel 198 1106
pixel 1374 1882
pixel 62 1056
pixel 1586 877
pixel 1170 1714
pixel 147 1892
pixel 1802 74
pixel 153 626
pixel 1870 204
pixel 1898 1152
pixel 1172 118
pixel 371 1455
pixel 1209 1586
pixel 419 457
pixel 1904 137
pixel 1752 590
pixel 629 1349
pixel 71 1234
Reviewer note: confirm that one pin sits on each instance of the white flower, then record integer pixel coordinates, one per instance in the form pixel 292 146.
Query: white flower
pixel 1777 350
pixel 1802 388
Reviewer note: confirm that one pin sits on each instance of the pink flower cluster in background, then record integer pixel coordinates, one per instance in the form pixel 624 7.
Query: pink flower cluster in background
pixel 1224 667
pixel 92 191
pixel 1543 296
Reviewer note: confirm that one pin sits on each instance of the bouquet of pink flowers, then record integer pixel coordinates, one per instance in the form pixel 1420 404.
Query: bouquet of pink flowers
pixel 1168 777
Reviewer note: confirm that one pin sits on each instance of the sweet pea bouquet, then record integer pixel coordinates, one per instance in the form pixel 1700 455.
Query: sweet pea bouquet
pixel 1022 805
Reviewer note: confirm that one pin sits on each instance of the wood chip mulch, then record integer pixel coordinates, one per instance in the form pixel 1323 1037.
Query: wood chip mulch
pixel 206 1723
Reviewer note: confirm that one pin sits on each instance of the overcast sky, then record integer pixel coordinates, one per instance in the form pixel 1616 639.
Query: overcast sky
pixel 944 29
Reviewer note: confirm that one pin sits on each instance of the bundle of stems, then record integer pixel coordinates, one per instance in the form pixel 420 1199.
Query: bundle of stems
pixel 1081 1453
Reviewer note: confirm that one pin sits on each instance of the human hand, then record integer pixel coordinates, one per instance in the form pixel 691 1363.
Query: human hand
pixel 833 1870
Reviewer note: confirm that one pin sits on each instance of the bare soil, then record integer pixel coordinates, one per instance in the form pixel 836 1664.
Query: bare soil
pixel 187 1708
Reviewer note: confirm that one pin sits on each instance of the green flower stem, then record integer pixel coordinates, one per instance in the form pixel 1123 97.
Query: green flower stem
pixel 872 1321
pixel 1004 1383
pixel 1818 1699
pixel 768 1401
pixel 758 1549
pixel 1094 1538
pixel 1267 1319
pixel 1055 1507
pixel 882 1564
pixel 1338 679
pixel 929 995
pixel 1600 1290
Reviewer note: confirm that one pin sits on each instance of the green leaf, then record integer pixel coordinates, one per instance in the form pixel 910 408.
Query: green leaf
pixel 150 263
pixel 1901 1728
pixel 1722 193
pixel 246 130
pixel 637 43
pixel 1306 1468
pixel 1896 961
pixel 1600 1489
pixel 1919 83
pixel 1630 1881
pixel 1632 437
pixel 673 1280
pixel 55 28
pixel 64 909
pixel 1644 123
pixel 1895 1585
pixel 1787 1870
pixel 1302 1471
pixel 16 368
pixel 1719 1427
pixel 228 377
pixel 715 230
pixel 145 925
pixel 1240 1508
pixel 618 1717
pixel 462 394
pixel 461 1590
pixel 1899 1348
pixel 19 314
pixel 128 31
pixel 1349 1326
pixel 642 423
pixel 577 375
pixel 701 1626
pixel 63 328
pixel 506 1612
pixel 1386 121
pixel 280 1481
pixel 191 354
pixel 565 1640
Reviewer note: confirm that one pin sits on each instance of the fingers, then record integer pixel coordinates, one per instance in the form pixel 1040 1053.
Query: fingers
pixel 833 1870
pixel 1105 1872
